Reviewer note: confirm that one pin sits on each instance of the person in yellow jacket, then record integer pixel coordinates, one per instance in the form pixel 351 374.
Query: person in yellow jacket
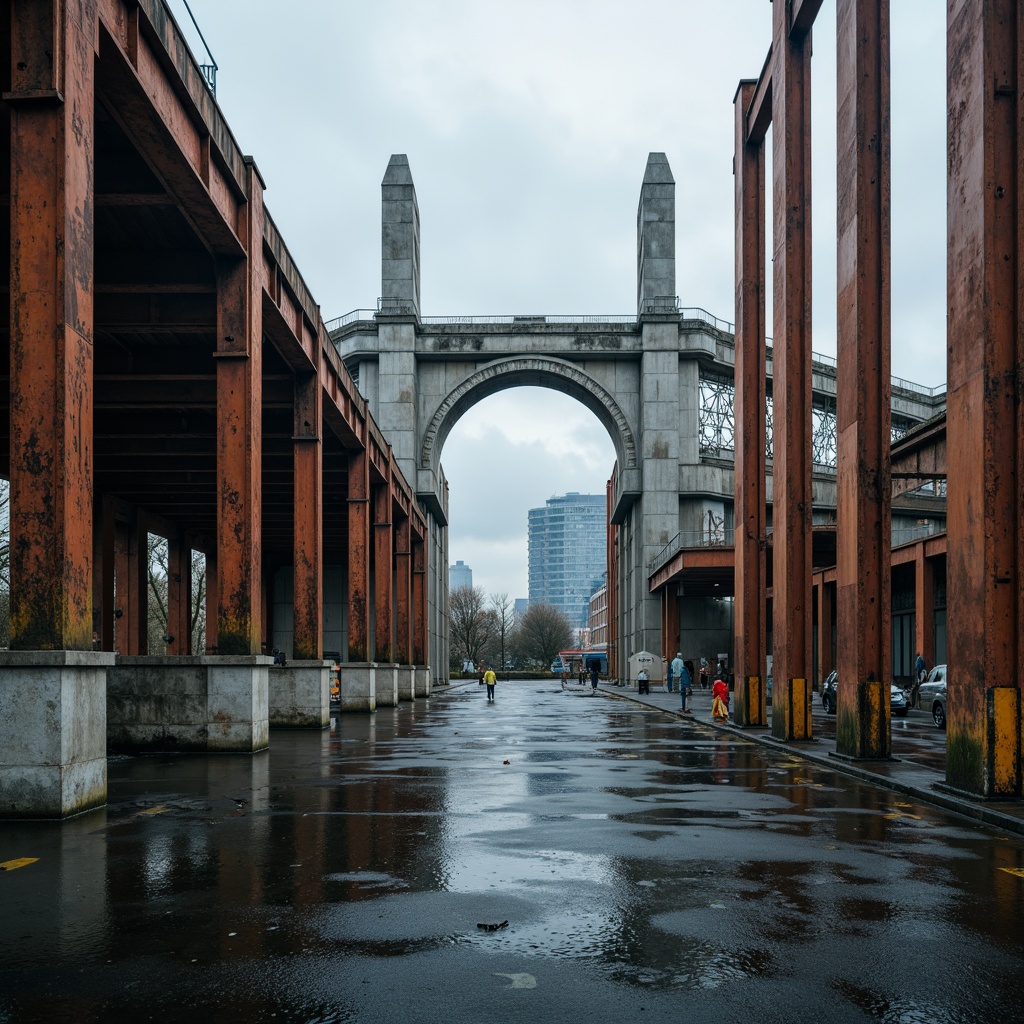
pixel 490 679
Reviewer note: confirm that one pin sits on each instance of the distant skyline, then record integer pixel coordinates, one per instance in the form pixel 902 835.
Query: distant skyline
pixel 527 127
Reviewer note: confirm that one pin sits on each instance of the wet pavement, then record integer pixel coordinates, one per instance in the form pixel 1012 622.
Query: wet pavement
pixel 648 868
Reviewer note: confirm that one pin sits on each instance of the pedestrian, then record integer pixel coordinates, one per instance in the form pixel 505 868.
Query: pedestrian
pixel 720 699
pixel 490 679
pixel 593 677
pixel 685 685
pixel 480 672
pixel 704 673
pixel 643 681
pixel 920 675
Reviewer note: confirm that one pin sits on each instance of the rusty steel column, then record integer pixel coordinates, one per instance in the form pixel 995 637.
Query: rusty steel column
pixel 307 519
pixel 239 359
pixel 51 102
pixel 750 625
pixel 383 575
pixel 863 400
pixel 670 620
pixel 359 556
pixel 137 592
pixel 924 605
pixel 106 629
pixel 826 620
pixel 791 376
pixel 403 592
pixel 419 602
pixel 212 600
pixel 984 409
pixel 179 594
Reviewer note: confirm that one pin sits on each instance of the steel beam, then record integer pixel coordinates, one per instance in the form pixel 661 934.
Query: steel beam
pixel 826 620
pixel 179 594
pixel 863 399
pixel 359 556
pixel 791 137
pixel 51 102
pixel 307 518
pixel 239 360
pixel 750 640
pixel 984 407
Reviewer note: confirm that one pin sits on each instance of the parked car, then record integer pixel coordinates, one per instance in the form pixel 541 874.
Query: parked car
pixel 931 695
pixel 898 703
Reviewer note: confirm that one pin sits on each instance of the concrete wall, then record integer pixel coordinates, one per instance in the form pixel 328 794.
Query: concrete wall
pixel 705 628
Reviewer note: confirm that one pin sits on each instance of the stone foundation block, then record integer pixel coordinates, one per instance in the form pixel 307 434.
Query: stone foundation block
pixel 358 686
pixel 300 695
pixel 423 681
pixel 386 685
pixel 53 732
pixel 406 682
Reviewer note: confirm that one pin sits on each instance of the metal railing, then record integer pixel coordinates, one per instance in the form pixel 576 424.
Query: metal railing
pixel 685 313
pixel 719 537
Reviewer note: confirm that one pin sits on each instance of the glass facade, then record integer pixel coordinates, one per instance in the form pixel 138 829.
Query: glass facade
pixel 567 553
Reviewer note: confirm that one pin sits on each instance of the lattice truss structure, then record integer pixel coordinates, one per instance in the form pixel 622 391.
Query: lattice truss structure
pixel 717 424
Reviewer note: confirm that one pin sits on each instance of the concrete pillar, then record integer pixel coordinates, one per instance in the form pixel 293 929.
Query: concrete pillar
pixel 307 520
pixel 239 361
pixel 863 403
pixel 206 703
pixel 400 240
pixel 406 682
pixel 299 694
pixel 750 495
pixel 53 732
pixel 791 137
pixel 386 685
pixel 358 686
pixel 656 239
pixel 422 683
pixel 985 522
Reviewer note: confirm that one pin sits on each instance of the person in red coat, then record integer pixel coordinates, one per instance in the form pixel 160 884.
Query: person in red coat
pixel 720 700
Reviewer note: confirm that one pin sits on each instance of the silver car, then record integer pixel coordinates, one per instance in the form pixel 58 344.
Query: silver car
pixel 931 695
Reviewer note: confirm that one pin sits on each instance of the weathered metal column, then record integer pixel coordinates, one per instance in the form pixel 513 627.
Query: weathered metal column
pixel 52 238
pixel 750 626
pixel 419 612
pixel 863 401
pixel 137 591
pixel 924 605
pixel 179 594
pixel 403 609
pixel 239 356
pixel 791 358
pixel 984 408
pixel 52 684
pixel 670 621
pixel 359 556
pixel 307 535
pixel 826 620
pixel 383 575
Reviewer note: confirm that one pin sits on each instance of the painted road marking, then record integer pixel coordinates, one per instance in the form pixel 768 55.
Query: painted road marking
pixel 20 862
pixel 159 809
pixel 1018 872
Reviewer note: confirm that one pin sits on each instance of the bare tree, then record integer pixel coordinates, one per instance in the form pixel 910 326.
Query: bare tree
pixel 543 632
pixel 504 619
pixel 472 624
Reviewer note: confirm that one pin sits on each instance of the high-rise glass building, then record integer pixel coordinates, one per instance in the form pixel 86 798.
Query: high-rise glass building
pixel 459 575
pixel 567 553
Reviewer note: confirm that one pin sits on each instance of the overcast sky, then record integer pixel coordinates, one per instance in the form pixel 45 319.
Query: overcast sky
pixel 527 126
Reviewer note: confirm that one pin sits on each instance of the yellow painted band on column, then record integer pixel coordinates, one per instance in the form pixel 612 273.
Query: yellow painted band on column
pixel 20 862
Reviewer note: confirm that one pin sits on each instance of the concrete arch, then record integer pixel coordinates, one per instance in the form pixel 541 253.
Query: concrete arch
pixel 536 371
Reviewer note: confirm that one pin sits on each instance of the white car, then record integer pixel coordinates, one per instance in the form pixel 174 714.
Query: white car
pixel 931 695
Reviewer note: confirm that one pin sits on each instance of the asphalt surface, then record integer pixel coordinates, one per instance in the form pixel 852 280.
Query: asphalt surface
pixel 648 868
